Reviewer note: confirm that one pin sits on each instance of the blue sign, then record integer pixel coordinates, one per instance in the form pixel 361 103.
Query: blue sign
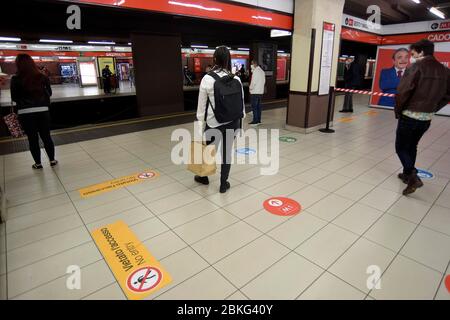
pixel 246 151
pixel 423 174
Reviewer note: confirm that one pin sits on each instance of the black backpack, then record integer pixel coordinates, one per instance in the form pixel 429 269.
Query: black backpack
pixel 227 97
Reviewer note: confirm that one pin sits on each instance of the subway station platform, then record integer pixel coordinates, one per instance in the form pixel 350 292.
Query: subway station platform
pixel 227 246
pixel 71 92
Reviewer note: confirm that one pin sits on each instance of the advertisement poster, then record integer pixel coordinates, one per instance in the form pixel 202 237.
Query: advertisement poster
pixel 103 61
pixel 197 65
pixel 88 73
pixel 326 61
pixel 281 69
pixel 391 64
pixel 238 64
pixel 266 59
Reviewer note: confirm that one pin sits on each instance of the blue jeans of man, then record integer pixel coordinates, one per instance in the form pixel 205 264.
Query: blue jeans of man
pixel 256 107
pixel 409 133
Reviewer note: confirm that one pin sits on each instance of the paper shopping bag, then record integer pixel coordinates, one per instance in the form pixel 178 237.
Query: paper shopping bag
pixel 202 160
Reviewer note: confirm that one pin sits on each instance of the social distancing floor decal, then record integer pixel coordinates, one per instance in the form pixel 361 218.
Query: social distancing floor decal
pixel 118 183
pixel 138 273
pixel 282 206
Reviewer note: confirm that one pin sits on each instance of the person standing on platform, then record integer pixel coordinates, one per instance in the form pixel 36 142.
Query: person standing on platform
pixel 31 91
pixel 390 78
pixel 257 86
pixel 208 108
pixel 106 75
pixel 3 79
pixel 423 91
pixel 353 80
pixel 131 75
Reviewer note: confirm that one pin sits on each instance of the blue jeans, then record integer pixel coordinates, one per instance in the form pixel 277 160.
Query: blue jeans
pixel 256 107
pixel 409 133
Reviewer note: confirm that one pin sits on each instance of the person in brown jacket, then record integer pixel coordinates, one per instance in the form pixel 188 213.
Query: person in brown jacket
pixel 423 91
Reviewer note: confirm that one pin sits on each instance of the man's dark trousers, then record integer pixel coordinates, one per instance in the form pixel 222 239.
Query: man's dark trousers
pixel 409 133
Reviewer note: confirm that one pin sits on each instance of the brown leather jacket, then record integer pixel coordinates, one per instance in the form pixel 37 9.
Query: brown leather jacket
pixel 425 87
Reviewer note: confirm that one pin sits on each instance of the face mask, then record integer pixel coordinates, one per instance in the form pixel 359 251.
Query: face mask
pixel 253 68
pixel 412 60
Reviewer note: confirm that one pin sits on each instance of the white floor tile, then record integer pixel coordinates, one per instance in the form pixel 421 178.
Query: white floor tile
pixel 407 280
pixel 226 241
pixel 243 265
pixel 391 232
pixel 332 182
pixel 47 270
pixel 286 279
pixel 438 219
pixel 308 196
pixel 172 202
pixel 164 245
pixel 410 209
pixel 353 266
pixel 329 287
pixel 94 277
pixel 248 206
pixel 428 247
pixel 205 226
pixel 380 199
pixel 179 270
pixel 355 190
pixel 187 213
pixel 45 248
pixel 298 229
pixel 358 218
pixel 111 292
pixel 327 245
pixel 330 207
pixel 207 285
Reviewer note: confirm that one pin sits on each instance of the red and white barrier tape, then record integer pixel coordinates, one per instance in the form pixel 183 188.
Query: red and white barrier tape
pixel 380 94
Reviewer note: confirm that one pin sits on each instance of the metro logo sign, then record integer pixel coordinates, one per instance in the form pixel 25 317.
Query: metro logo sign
pixel 440 25
pixel 445 25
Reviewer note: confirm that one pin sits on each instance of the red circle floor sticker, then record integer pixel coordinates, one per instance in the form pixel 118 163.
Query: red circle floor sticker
pixel 447 283
pixel 146 175
pixel 282 206
pixel 144 279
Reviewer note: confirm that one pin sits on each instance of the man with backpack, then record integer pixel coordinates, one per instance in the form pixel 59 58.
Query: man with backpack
pixel 221 107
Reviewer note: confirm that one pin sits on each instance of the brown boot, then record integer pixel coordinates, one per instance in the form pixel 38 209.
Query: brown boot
pixel 403 177
pixel 414 183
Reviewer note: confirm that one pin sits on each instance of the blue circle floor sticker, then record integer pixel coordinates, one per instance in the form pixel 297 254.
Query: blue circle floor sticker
pixel 423 174
pixel 246 151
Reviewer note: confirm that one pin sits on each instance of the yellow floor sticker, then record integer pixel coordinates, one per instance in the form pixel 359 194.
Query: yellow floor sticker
pixel 371 113
pixel 138 273
pixel 346 119
pixel 107 186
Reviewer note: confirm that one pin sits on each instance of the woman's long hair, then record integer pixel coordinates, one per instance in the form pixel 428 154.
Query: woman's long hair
pixel 32 79
pixel 222 59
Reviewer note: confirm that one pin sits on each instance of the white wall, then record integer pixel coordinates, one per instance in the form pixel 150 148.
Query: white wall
pixel 279 5
pixel 402 28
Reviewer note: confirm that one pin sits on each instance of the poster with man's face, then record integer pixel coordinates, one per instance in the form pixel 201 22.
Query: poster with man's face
pixel 392 62
pixel 391 66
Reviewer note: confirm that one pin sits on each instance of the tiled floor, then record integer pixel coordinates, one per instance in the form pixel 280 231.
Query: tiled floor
pixel 215 246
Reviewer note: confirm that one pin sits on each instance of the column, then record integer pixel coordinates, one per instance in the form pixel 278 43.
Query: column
pixel 307 110
pixel 158 74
